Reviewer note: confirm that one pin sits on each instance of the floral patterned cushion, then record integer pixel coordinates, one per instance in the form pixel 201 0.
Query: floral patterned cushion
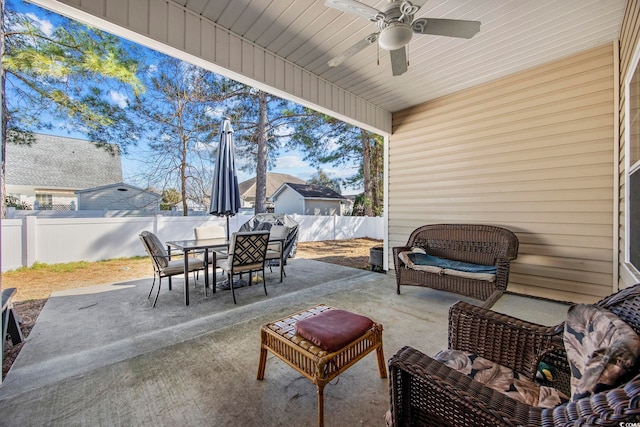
pixel 600 347
pixel 502 379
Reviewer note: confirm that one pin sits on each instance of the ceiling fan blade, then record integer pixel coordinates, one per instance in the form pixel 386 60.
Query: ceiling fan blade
pixel 398 61
pixel 418 3
pixel 353 6
pixel 370 39
pixel 446 27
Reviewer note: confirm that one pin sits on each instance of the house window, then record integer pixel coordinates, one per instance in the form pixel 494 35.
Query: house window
pixel 633 162
pixel 45 201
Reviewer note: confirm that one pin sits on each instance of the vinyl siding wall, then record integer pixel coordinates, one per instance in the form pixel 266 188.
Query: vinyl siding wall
pixel 532 152
pixel 629 40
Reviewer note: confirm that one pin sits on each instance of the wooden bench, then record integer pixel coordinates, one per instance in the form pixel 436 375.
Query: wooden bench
pixel 469 243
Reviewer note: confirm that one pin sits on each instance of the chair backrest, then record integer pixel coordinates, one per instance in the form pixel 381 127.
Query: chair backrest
pixel 279 232
pixel 626 305
pixel 155 249
pixel 210 232
pixel 248 247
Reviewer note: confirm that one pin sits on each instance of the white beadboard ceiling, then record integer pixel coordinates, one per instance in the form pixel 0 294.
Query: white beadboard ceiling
pixel 514 35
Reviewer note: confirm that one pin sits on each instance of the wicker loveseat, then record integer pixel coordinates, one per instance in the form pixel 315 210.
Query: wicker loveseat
pixel 425 392
pixel 483 245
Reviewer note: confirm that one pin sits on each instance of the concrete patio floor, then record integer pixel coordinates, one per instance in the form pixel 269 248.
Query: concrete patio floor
pixel 102 356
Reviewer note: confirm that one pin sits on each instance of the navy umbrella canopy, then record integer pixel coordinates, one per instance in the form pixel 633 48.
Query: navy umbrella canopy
pixel 225 193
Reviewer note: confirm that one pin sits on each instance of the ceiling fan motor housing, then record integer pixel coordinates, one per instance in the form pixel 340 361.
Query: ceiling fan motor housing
pixel 395 36
pixel 394 23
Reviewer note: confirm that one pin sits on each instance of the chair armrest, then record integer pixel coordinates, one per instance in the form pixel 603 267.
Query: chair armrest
pixel 398 249
pixel 509 341
pixel 424 391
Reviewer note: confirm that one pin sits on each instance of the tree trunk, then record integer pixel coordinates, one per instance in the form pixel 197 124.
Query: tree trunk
pixel 377 167
pixel 365 139
pixel 183 177
pixel 262 155
pixel 3 119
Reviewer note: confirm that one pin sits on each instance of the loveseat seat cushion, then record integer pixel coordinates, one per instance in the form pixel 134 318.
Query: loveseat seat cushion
pixel 424 262
pixel 502 379
pixel 601 348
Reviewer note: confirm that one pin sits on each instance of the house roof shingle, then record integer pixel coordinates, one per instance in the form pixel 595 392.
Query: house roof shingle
pixel 309 191
pixel 59 162
pixel 274 182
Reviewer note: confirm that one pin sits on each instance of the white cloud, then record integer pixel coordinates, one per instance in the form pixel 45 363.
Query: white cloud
pixel 283 130
pixel 45 25
pixel 214 113
pixel 119 98
pixel 152 70
pixel 290 162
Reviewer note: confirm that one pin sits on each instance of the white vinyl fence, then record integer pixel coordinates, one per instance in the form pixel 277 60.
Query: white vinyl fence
pixel 60 240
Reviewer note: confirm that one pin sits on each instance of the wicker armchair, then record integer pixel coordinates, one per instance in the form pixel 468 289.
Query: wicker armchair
pixel 425 392
pixel 473 243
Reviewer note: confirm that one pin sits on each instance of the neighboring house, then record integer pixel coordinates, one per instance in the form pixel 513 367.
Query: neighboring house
pixel 347 206
pixel 51 169
pixel 119 196
pixel 306 199
pixel 274 182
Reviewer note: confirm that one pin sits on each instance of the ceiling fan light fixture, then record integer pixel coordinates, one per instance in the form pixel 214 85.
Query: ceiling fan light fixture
pixel 395 36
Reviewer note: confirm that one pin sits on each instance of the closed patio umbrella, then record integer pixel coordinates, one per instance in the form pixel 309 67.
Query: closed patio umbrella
pixel 225 194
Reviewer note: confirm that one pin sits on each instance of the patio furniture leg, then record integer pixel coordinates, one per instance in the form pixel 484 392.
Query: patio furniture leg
pixel 382 365
pixel 320 405
pixel 264 280
pixel 262 364
pixel 152 286
pixel 158 294
pixel 231 284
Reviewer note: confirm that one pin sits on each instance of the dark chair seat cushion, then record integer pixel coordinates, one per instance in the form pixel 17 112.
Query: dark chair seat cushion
pixel 502 379
pixel 333 329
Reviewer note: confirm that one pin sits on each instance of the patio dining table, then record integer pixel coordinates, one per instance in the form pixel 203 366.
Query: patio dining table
pixel 187 246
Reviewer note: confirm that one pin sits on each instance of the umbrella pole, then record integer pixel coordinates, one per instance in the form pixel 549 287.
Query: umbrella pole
pixel 227 227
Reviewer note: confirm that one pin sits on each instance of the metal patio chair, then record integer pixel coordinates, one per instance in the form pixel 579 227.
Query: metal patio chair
pixel 163 266
pixel 246 255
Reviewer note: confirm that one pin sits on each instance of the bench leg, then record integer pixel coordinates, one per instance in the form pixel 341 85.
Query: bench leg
pixel 13 328
pixel 262 364
pixel 382 366
pixel 321 405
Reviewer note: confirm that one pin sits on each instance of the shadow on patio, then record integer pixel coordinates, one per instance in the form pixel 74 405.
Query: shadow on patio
pixel 102 355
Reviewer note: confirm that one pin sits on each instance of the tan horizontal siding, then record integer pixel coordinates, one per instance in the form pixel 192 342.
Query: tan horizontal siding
pixel 532 152
pixel 629 41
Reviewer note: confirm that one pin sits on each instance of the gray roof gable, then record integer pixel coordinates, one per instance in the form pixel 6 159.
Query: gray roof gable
pixel 309 191
pixel 274 182
pixel 59 162
pixel 121 186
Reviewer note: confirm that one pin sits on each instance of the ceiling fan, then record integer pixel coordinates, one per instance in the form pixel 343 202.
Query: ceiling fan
pixel 396 25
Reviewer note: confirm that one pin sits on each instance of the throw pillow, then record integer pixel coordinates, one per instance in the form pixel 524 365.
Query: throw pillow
pixel 600 347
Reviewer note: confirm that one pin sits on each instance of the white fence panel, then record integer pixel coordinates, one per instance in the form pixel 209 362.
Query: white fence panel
pixel 12 244
pixel 60 240
pixel 90 239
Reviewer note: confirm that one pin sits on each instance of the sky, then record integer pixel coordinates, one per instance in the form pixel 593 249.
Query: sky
pixel 288 162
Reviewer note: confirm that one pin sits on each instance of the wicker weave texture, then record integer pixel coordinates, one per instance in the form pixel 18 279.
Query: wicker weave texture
pixel 475 243
pixel 426 392
pixel 316 364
